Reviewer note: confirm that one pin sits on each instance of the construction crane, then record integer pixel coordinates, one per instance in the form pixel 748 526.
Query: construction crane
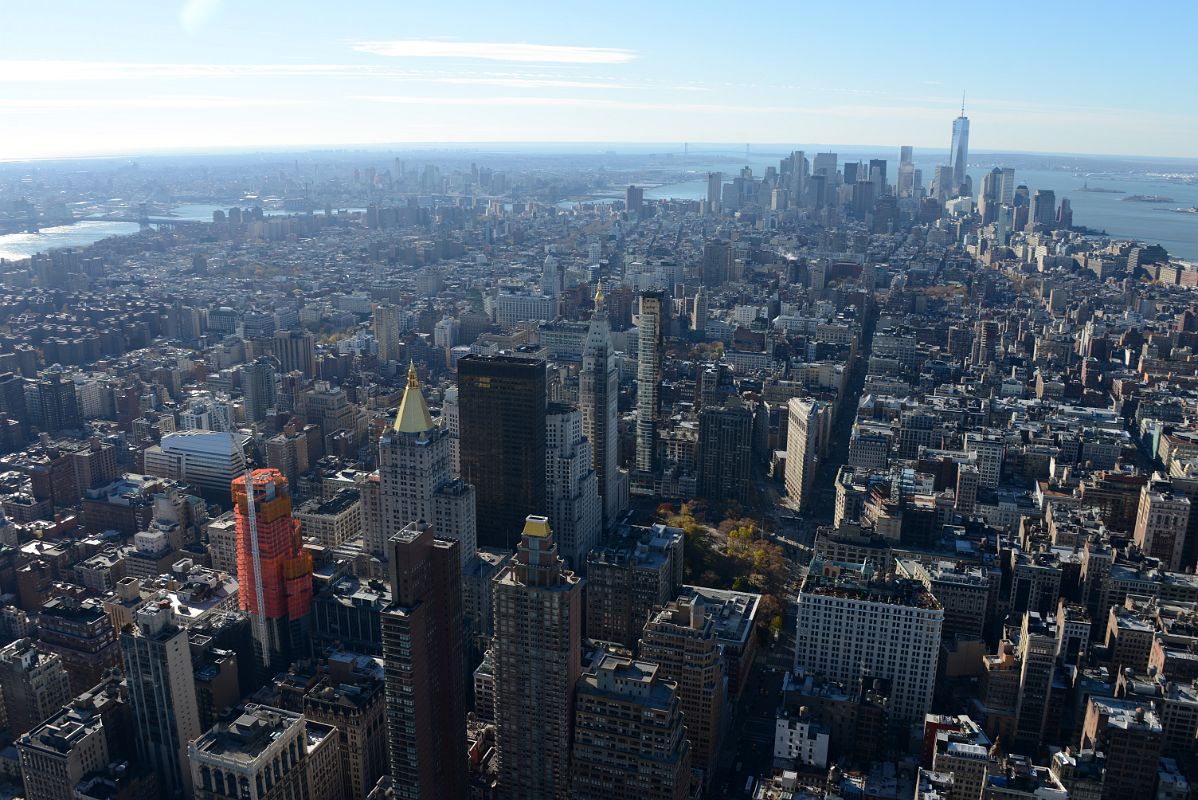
pixel 260 617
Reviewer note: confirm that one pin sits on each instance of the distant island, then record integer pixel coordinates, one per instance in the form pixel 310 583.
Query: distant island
pixel 1100 190
pixel 1148 198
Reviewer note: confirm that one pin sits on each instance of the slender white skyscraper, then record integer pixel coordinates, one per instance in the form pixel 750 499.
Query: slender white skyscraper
pixel 959 153
pixel 598 391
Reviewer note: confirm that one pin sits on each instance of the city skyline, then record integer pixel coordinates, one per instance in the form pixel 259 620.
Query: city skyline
pixel 207 75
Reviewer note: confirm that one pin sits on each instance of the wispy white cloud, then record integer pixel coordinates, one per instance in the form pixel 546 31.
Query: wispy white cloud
pixel 52 70
pixel 40 105
pixel 496 51
pixel 70 71
pixel 196 14
pixel 577 102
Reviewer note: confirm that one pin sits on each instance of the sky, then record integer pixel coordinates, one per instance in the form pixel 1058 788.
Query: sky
pixel 80 77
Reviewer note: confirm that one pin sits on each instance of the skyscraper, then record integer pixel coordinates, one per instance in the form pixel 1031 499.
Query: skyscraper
pixel 628 576
pixel 630 742
pixel 851 626
pixel 681 639
pixel 537 650
pixel 725 448
pixel 157 660
pixel 825 164
pixel 296 351
pixel 598 393
pixel 807 427
pixel 424 665
pixel 877 175
pixel 717 262
pixel 648 383
pixel 274 570
pixel 1037 661
pixel 715 185
pixel 906 173
pixel 634 201
pixel 1044 208
pixel 501 406
pixel 958 157
pixel 571 486
pixel 387 330
pixel 416 479
pixel 34 685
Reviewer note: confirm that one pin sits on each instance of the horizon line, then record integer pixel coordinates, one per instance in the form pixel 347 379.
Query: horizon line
pixel 400 146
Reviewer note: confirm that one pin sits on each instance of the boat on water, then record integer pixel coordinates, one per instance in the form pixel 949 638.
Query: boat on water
pixel 1148 198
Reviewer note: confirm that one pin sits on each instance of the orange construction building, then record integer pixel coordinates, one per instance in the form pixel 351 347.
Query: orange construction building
pixel 281 622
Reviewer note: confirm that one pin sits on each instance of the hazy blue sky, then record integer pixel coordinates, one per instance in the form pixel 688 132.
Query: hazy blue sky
pixel 88 77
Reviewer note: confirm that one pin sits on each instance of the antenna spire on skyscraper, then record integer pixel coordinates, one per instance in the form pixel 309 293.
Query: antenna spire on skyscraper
pixel 962 102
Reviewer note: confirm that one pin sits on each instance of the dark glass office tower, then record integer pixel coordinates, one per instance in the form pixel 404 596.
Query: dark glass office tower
pixel 501 409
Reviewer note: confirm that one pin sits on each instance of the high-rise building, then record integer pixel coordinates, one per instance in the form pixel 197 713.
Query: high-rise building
pixel 807 429
pixel 942 183
pixel 273 568
pixel 1131 737
pixel 990 198
pixel 968 483
pixel 295 350
pixel 877 176
pixel 537 651
pixel 352 700
pixel 287 451
pixel 387 327
pixel 501 403
pixel 1006 193
pixel 425 665
pixel 52 404
pixel 207 460
pixel 59 753
pixel 629 738
pixel 1044 208
pixel 1162 519
pixel 958 157
pixel 681 639
pixel 725 453
pixel 266 753
pixel 825 164
pixel 1037 654
pixel 33 685
pixel 717 262
pixel 598 395
pixel 258 387
pixel 628 576
pixel 571 486
pixel 162 693
pixel 416 479
pixel 850 172
pixel 715 186
pixel 551 277
pixel 1065 214
pixel 988 451
pixel 648 382
pixel 906 173
pixel 81 633
pixel 634 201
pixel 854 623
